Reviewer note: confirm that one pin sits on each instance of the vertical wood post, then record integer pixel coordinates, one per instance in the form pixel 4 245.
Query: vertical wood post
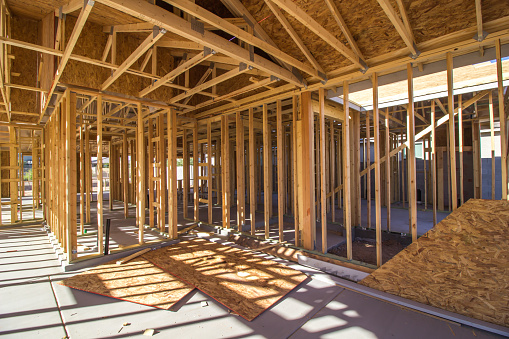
pixel 252 189
pixel 295 170
pixel 503 123
pixel 100 228
pixel 452 138
pixel 323 194
pixel 412 184
pixel 280 175
pixel 140 142
pixel 347 221
pixel 378 179
pixel 267 153
pixel 172 173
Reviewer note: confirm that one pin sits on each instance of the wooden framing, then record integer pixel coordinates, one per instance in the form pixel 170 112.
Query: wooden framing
pixel 378 179
pixel 294 10
pixel 412 183
pixel 502 115
pixel 305 168
pixel 452 139
pixel 267 164
pixel 347 220
pixel 80 23
pixel 172 174
pixel 140 157
pixel 252 188
pixel 323 192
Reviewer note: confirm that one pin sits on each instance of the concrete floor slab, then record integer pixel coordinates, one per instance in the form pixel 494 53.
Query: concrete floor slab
pixel 87 315
pixel 353 315
pixel 29 310
pixel 33 304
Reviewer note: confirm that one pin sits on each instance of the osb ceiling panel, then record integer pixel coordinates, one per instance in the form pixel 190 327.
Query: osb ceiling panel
pixel 375 36
pixel 37 9
pixel 370 26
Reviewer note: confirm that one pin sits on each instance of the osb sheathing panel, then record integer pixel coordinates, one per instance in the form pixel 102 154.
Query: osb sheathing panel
pixel 370 26
pixel 243 282
pixel 37 9
pixel 434 18
pixel 24 62
pixel 460 265
pixel 366 20
pixel 91 44
pixel 137 281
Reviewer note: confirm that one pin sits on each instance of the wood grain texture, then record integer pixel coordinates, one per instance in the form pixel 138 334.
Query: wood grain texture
pixel 245 283
pixel 137 281
pixel 460 265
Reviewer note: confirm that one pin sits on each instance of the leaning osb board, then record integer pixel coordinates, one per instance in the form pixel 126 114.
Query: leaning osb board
pixel 137 281
pixel 461 265
pixel 245 283
pixel 23 63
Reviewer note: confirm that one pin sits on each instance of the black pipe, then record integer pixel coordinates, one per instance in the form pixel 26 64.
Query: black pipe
pixel 107 238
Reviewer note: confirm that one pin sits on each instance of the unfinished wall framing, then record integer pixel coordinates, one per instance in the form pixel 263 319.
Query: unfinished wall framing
pixel 175 116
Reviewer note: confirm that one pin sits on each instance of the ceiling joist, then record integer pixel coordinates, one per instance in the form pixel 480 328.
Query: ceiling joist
pixel 177 25
pixel 291 8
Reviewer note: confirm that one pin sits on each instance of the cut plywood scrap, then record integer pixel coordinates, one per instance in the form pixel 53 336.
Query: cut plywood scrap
pixel 214 269
pixel 138 281
pixel 460 265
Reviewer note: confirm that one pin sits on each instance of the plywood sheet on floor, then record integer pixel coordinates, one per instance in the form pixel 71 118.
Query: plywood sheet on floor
pixel 138 281
pixel 461 265
pixel 245 283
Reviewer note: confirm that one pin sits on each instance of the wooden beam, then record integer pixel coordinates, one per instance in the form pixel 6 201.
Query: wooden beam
pixel 225 167
pixel 232 29
pixel 196 160
pixel 201 81
pixel 252 188
pixel 295 37
pixel 492 139
pixel 433 163
pixel 294 10
pixel 70 168
pixel 140 157
pixel 503 122
pixel 176 72
pixel 142 48
pixel 80 23
pixel 172 173
pixel 460 148
pixel 400 27
pixel 125 176
pixel 242 90
pixel 241 206
pixel 481 34
pixel 323 193
pixel 296 212
pixel 267 151
pixel 177 25
pixel 100 212
pixel 427 130
pixel 452 138
pixel 342 25
pixel 378 181
pixel 387 171
pixel 161 158
pixel 347 220
pixel 412 183
pixel 280 168
pixel 228 75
